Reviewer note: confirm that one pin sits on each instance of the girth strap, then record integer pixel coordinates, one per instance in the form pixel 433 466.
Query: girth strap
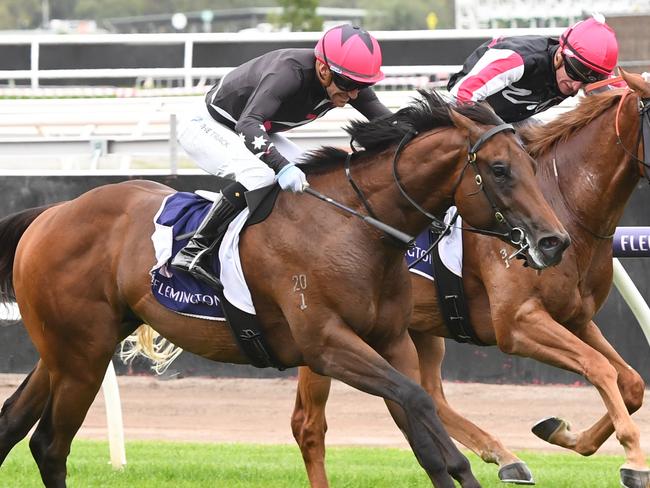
pixel 249 336
pixel 452 301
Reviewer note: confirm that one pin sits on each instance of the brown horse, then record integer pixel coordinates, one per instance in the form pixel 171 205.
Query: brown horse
pixel 81 275
pixel 547 317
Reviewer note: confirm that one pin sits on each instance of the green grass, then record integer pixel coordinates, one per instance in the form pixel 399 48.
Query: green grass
pixel 161 464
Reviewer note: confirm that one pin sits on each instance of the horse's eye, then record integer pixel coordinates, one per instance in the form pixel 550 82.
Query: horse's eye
pixel 499 170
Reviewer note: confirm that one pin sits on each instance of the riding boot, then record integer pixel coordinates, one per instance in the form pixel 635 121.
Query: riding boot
pixel 195 257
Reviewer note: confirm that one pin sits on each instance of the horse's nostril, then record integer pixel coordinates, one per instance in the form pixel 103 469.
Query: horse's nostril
pixel 548 244
pixel 554 245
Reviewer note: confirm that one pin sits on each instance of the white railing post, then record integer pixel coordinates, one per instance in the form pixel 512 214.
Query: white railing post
pixel 114 418
pixel 632 297
pixel 173 145
pixel 187 63
pixel 34 62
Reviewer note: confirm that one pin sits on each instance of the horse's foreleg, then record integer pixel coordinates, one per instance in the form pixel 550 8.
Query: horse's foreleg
pixel 23 409
pixel 335 350
pixel 401 355
pixel 538 336
pixel 431 352
pixel 630 384
pixel 309 425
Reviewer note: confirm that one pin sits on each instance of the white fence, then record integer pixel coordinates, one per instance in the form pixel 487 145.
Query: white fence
pixel 188 72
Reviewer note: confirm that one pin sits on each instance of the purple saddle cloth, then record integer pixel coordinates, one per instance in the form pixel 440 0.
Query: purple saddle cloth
pixel 181 292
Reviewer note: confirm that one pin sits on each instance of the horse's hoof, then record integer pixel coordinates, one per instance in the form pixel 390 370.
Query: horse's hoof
pixel 545 428
pixel 517 473
pixel 631 478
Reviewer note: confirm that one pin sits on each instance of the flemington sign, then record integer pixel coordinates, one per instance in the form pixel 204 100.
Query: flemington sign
pixel 631 242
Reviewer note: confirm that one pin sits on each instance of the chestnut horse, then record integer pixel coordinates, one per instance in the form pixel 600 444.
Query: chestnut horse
pixel 81 275
pixel 588 173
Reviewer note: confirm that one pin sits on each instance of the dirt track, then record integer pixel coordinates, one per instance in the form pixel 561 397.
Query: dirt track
pixel 258 411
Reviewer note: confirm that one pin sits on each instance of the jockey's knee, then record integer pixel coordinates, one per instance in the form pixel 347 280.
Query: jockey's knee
pixel 256 177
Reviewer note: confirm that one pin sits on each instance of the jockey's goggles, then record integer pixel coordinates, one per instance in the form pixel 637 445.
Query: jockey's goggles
pixel 347 84
pixel 579 72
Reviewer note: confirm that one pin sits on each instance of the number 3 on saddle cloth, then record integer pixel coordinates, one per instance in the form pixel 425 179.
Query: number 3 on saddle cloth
pixel 180 214
pixel 444 266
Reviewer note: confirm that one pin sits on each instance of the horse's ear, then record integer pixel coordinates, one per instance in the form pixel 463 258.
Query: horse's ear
pixel 636 81
pixel 462 122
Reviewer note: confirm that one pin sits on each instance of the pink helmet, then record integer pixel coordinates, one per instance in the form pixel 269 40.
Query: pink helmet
pixel 351 52
pixel 590 50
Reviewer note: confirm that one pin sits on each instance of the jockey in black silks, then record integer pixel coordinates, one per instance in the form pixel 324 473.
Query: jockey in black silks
pixel 524 75
pixel 237 132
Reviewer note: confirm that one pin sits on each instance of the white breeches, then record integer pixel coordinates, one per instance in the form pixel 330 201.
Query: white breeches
pixel 221 152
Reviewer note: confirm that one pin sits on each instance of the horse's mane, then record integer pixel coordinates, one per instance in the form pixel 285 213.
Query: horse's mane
pixel 428 112
pixel 540 138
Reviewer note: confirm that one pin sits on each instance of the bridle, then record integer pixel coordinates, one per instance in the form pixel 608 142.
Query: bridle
pixel 516 235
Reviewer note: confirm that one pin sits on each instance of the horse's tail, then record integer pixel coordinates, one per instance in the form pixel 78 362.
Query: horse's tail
pixel 12 228
pixel 148 343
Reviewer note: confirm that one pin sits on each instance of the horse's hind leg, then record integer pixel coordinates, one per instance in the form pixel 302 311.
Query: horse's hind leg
pixel 309 425
pixel 23 409
pixel 73 389
pixel 76 354
pixel 431 352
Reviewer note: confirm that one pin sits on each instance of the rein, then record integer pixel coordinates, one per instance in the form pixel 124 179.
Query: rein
pixel 644 130
pixel 441 233
pixel 644 134
pixel 355 187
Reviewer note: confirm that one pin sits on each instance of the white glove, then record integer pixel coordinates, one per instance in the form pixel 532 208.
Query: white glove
pixel 292 178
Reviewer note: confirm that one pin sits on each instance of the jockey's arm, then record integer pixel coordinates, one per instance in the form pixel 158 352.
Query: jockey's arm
pixel 261 107
pixel 494 71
